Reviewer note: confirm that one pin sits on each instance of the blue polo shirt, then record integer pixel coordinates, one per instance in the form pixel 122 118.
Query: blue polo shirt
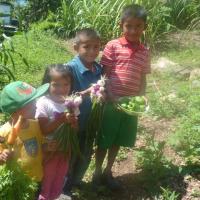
pixel 83 79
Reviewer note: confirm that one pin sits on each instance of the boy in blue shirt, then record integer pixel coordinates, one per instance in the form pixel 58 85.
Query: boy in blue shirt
pixel 85 72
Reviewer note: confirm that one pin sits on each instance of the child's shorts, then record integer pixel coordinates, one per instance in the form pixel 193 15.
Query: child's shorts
pixel 118 128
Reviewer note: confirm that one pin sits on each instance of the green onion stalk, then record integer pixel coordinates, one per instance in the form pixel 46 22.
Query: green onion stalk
pixel 97 95
pixel 66 135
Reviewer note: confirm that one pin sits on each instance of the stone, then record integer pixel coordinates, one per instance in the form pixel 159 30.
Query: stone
pixel 195 74
pixel 165 65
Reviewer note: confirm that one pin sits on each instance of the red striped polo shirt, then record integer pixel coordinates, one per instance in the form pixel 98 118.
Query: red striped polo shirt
pixel 127 64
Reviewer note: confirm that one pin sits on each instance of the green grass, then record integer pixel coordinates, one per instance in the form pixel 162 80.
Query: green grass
pixel 171 82
pixel 187 57
pixel 39 49
pixel 184 106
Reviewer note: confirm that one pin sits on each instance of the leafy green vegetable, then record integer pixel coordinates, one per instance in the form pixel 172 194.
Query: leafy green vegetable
pixel 132 105
pixel 15 184
pixel 67 139
pixel 94 121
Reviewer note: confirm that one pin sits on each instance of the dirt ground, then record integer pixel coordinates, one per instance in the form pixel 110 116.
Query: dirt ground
pixel 188 186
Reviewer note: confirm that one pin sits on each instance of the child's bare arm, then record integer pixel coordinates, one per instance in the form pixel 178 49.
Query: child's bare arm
pixel 109 94
pixel 48 126
pixel 85 92
pixel 143 85
pixel 106 70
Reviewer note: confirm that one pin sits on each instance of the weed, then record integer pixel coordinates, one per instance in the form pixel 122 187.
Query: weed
pixel 122 154
pixel 152 161
pixel 7 61
pixel 167 194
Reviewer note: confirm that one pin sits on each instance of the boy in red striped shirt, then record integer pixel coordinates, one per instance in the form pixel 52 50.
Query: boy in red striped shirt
pixel 125 62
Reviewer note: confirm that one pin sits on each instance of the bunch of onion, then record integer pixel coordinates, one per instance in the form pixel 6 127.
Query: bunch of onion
pixel 97 96
pixel 66 134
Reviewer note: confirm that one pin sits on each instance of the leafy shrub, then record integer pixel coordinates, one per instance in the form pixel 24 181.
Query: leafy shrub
pixel 101 15
pixel 104 16
pixel 157 23
pixel 152 161
pixel 39 9
pixel 7 63
pixel 187 136
pixel 167 105
pixel 15 184
pixel 183 13
pixel 167 194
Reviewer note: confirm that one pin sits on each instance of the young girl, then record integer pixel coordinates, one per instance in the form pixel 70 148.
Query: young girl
pixel 56 164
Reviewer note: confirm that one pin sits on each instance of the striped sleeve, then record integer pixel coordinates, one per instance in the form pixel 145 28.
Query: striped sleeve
pixel 108 55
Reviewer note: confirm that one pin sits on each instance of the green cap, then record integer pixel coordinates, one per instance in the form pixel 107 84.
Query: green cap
pixel 17 94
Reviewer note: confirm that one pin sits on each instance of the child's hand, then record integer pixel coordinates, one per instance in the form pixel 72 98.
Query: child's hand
pixel 52 145
pixel 72 120
pixel 104 96
pixel 111 98
pixel 2 139
pixel 84 92
pixel 5 156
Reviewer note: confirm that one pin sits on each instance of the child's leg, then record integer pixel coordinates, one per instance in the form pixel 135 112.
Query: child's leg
pixel 107 177
pixel 125 137
pixel 99 158
pixel 112 154
pixel 48 178
pixel 61 171
pixel 106 138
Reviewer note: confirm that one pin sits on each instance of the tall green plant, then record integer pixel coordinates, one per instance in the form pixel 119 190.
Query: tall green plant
pixel 187 135
pixel 183 13
pixel 152 161
pixel 76 14
pixel 7 64
pixel 104 16
pixel 157 24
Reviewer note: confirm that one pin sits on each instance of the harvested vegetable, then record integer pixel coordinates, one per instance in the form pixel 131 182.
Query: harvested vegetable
pixel 133 105
pixel 66 135
pixel 14 131
pixel 94 122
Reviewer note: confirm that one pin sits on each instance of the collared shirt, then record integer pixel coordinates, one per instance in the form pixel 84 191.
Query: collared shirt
pixel 83 79
pixel 127 63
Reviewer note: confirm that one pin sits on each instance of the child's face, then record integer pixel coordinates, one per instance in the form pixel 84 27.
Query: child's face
pixel 59 86
pixel 27 111
pixel 88 49
pixel 133 28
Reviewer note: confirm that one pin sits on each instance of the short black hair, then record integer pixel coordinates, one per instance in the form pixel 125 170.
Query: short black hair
pixel 86 32
pixel 134 10
pixel 63 69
